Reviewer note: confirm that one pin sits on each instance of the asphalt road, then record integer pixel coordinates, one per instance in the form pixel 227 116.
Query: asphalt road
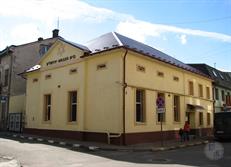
pixel 43 155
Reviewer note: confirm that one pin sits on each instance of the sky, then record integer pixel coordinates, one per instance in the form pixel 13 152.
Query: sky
pixel 192 31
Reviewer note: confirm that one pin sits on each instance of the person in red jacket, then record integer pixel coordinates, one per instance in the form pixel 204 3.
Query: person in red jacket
pixel 186 130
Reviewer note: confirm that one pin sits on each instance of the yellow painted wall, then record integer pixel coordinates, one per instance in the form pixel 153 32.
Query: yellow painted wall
pixel 17 104
pixel 152 84
pixel 100 92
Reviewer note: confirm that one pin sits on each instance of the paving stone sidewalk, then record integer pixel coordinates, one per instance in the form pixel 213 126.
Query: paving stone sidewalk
pixel 93 146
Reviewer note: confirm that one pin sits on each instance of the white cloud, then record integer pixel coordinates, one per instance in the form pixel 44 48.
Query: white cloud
pixel 25 32
pixel 183 39
pixel 141 29
pixel 49 10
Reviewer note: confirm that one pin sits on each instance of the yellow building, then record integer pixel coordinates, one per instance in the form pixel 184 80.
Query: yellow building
pixel 108 91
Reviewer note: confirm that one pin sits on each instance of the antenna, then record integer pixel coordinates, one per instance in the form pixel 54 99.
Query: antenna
pixel 58 23
pixel 215 65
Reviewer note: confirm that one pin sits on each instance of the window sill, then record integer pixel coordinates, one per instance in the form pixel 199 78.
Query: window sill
pixel 46 122
pixel 163 123
pixel 72 123
pixel 176 122
pixel 140 123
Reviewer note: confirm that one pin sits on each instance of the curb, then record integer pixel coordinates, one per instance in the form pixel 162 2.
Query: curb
pixel 76 146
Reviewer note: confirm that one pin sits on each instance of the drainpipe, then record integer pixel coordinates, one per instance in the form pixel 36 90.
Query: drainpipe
pixel 124 92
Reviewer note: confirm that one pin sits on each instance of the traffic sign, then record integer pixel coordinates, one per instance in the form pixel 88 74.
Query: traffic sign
pixel 160 103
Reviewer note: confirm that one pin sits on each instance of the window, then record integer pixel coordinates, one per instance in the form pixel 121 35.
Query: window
pixel 216 94
pixel 223 95
pixel 47 107
pixel 140 68
pixel 207 92
pixel 200 89
pixel 6 77
pixel 35 80
pixel 208 119
pixel 160 74
pixel 191 88
pixel 48 76
pixel 43 49
pixel 200 118
pixel 161 116
pixel 140 105
pixel 214 73
pixel 176 78
pixel 177 108
pixel 101 66
pixel 72 106
pixel 73 71
pixel 222 77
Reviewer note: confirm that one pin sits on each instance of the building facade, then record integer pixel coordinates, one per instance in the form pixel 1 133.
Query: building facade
pixel 14 60
pixel 116 90
pixel 221 86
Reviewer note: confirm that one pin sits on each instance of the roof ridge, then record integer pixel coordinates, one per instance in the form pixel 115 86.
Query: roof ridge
pixel 117 38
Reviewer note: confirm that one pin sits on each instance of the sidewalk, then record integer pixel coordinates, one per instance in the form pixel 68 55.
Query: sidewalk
pixel 156 146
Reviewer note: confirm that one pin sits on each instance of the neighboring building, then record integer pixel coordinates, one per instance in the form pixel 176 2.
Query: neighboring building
pixel 14 60
pixel 108 91
pixel 221 87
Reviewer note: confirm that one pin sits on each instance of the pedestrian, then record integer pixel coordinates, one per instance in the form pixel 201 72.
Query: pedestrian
pixel 186 130
pixel 181 134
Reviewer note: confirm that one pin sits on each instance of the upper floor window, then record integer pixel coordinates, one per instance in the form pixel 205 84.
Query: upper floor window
pixel 223 95
pixel 214 73
pixel 216 94
pixel 101 66
pixel 43 49
pixel 73 70
pixel 200 90
pixel 140 68
pixel 35 80
pixel 191 88
pixel 6 77
pixel 208 92
pixel 48 76
pixel 175 78
pixel 160 74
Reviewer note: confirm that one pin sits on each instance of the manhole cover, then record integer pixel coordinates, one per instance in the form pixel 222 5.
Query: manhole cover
pixel 158 160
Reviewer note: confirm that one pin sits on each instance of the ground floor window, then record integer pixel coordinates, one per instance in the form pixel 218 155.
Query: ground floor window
pixel 176 109
pixel 200 118
pixel 72 106
pixel 208 119
pixel 140 105
pixel 47 107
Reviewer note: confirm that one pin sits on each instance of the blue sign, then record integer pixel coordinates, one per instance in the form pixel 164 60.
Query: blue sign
pixel 3 99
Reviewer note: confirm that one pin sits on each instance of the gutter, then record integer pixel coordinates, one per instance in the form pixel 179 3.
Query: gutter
pixel 124 92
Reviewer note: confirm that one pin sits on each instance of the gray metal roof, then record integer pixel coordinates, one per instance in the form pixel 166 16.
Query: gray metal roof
pixel 113 40
pixel 82 47
pixel 221 78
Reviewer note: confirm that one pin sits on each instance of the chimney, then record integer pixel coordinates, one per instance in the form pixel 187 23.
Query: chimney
pixel 55 33
pixel 40 39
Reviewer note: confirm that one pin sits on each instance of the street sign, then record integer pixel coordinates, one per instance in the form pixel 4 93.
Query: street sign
pixel 3 99
pixel 160 104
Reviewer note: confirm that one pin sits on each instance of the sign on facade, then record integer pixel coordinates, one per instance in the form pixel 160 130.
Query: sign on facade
pixel 160 104
pixel 3 99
